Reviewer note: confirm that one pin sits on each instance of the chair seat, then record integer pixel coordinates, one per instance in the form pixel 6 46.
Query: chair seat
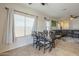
pixel 45 42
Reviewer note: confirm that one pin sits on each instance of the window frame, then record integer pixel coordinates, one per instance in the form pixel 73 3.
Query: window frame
pixel 25 15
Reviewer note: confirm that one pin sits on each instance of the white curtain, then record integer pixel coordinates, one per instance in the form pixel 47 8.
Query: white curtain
pixel 8 34
pixel 34 28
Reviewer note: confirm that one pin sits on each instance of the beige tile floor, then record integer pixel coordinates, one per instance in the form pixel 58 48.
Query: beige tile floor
pixel 63 48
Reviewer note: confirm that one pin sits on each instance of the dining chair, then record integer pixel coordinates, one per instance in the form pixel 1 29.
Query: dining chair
pixel 46 43
pixel 52 39
pixel 35 38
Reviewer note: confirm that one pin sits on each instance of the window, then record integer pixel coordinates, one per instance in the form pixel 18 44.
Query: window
pixel 19 25
pixel 23 24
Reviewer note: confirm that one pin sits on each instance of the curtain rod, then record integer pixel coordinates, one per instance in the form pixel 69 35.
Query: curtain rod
pixel 24 12
pixel 21 12
pixel 6 8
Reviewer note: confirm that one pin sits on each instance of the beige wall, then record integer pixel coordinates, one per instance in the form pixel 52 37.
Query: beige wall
pixel 69 24
pixel 22 41
pixel 64 23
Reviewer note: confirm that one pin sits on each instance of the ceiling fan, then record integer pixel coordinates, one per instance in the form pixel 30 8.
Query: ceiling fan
pixel 72 16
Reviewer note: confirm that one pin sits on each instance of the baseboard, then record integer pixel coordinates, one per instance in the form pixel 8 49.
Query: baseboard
pixel 13 47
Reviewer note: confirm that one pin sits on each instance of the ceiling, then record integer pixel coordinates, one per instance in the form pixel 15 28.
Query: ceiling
pixel 57 10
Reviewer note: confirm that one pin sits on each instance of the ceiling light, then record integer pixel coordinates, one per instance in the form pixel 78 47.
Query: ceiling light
pixel 71 18
pixel 29 3
pixel 43 4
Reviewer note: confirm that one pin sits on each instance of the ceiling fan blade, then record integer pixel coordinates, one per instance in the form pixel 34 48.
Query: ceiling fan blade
pixel 71 15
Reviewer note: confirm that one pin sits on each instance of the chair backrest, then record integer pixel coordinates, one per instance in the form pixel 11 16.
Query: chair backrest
pixel 34 34
pixel 45 32
pixel 52 35
pixel 39 34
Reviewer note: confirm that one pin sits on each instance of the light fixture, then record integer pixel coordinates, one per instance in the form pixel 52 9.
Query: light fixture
pixel 29 3
pixel 71 18
pixel 43 4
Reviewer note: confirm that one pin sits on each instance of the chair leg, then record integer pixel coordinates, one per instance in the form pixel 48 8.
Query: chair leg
pixel 44 48
pixel 51 46
pixel 33 43
pixel 36 44
pixel 39 46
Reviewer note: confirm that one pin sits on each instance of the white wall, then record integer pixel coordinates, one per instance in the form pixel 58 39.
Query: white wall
pixel 74 24
pixel 19 41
